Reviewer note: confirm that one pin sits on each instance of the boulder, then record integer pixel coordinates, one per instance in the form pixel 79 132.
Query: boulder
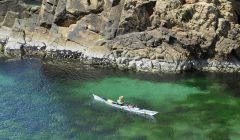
pixel 144 65
pixel 78 7
pixel 61 17
pixel 12 5
pixel 47 12
pixel 136 16
pixel 10 19
pixel 69 12
pixel 113 15
pixel 225 46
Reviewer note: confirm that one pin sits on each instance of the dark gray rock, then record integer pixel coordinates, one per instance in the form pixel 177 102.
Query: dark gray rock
pixel 47 12
pixel 12 5
pixel 136 16
pixel 10 19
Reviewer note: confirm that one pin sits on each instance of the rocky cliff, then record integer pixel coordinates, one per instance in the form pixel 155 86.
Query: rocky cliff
pixel 144 35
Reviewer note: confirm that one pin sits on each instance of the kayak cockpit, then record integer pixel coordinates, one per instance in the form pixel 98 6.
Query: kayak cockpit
pixel 125 107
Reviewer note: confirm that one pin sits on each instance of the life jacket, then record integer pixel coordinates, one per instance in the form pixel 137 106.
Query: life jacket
pixel 120 102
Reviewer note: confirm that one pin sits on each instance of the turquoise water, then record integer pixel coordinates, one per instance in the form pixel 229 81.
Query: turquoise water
pixel 48 102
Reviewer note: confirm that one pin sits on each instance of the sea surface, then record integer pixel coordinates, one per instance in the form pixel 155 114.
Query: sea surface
pixel 42 101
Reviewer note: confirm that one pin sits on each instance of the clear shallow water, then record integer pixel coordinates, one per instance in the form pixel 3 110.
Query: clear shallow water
pixel 48 102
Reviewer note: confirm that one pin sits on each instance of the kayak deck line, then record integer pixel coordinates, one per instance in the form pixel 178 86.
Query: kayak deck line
pixel 126 107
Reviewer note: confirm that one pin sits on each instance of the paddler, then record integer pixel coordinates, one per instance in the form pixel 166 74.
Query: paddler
pixel 120 100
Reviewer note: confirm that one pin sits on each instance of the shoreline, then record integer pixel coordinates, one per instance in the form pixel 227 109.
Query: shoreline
pixel 154 36
pixel 17 47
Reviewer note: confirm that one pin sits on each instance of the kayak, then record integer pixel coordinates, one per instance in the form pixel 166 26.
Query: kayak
pixel 125 107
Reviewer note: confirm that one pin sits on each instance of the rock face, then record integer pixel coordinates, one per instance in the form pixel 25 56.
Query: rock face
pixel 147 35
pixel 11 9
pixel 136 16
pixel 47 13
pixel 7 5
pixel 10 18
pixel 68 12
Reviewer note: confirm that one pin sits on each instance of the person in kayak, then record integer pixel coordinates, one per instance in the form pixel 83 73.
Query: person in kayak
pixel 120 100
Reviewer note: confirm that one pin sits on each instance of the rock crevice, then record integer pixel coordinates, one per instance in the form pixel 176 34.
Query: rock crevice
pixel 142 35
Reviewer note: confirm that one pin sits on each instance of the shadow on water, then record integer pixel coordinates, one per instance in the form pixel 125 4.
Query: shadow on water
pixel 192 79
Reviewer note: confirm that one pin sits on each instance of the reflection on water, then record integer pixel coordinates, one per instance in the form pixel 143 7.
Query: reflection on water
pixel 48 102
